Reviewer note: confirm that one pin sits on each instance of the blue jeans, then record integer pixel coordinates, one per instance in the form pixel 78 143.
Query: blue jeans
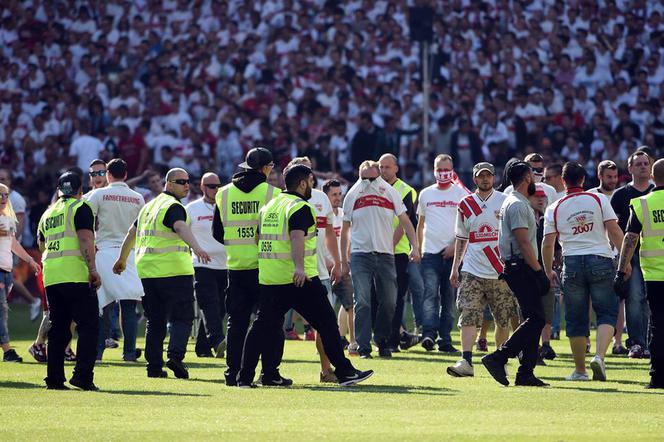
pixel 5 285
pixel 585 278
pixel 365 269
pixel 129 328
pixel 438 306
pixel 636 306
pixel 416 287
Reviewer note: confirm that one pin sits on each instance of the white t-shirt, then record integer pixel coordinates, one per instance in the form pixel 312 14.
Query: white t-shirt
pixel 552 194
pixel 370 207
pixel 321 204
pixel 337 223
pixel 116 208
pixel 201 215
pixel 439 209
pixel 7 231
pixel 87 149
pixel 478 222
pixel 579 218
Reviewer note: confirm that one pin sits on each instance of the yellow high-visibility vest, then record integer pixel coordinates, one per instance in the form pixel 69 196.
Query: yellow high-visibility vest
pixel 649 210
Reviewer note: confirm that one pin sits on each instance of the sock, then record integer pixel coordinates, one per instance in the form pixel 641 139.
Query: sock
pixel 468 356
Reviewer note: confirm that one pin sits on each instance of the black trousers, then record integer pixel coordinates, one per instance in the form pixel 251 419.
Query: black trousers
pixel 655 296
pixel 210 289
pixel 401 265
pixel 241 302
pixel 522 281
pixel 167 300
pixel 267 333
pixel 69 302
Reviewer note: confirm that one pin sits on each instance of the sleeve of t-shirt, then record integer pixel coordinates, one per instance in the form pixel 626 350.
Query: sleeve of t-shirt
pixel 394 196
pixel 84 218
pixel 518 215
pixel 348 204
pixel 607 210
pixel 18 205
pixel 174 214
pixel 549 223
pixel 633 224
pixel 302 220
pixel 328 212
pixel 461 230
pixel 420 205
pixel 93 201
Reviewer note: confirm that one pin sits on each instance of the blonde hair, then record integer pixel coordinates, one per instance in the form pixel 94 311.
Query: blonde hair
pixel 369 164
pixel 8 211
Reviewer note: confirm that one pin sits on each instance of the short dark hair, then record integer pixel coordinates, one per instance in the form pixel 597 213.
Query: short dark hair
pixel 329 184
pixel 518 172
pixel 293 175
pixel 573 174
pixel 117 167
pixel 606 165
pixel 555 168
pixel 97 161
pixel 637 153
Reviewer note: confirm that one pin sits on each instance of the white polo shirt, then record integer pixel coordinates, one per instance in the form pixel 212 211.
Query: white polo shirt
pixel 323 209
pixel 116 208
pixel 201 215
pixel 439 208
pixel 579 218
pixel 370 208
pixel 477 221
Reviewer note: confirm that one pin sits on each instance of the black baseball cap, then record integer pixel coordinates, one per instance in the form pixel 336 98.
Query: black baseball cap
pixel 257 158
pixel 516 170
pixel 69 184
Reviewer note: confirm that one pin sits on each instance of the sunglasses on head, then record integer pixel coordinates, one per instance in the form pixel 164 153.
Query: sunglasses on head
pixel 98 173
pixel 181 181
pixel 212 186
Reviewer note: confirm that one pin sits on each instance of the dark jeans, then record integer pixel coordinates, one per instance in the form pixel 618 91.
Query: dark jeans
pixel 210 289
pixel 521 280
pixel 241 301
pixel 266 333
pixel 439 303
pixel 636 306
pixel 72 302
pixel 401 266
pixel 129 321
pixel 655 295
pixel 167 300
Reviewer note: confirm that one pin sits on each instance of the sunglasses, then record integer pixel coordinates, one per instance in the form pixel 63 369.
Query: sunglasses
pixel 4 195
pixel 538 169
pixel 98 173
pixel 212 186
pixel 181 181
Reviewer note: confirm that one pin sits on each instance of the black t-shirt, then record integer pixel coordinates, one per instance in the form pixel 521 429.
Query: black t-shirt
pixel 84 219
pixel 620 202
pixel 634 225
pixel 302 219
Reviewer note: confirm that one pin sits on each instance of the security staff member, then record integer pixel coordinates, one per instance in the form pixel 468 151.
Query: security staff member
pixel 647 221
pixel 66 240
pixel 517 240
pixel 163 261
pixel 235 225
pixel 288 276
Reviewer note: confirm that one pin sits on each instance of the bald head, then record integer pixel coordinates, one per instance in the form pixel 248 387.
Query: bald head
pixel 177 182
pixel 658 172
pixel 388 167
pixel 210 184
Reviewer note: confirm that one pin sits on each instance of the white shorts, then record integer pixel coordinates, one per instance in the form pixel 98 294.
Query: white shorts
pixel 116 287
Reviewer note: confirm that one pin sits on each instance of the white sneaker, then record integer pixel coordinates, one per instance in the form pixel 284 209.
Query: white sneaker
pixel 353 349
pixel 35 309
pixel 221 349
pixel 461 369
pixel 576 376
pixel 598 368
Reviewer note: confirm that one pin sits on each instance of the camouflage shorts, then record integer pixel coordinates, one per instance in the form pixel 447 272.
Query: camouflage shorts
pixel 475 293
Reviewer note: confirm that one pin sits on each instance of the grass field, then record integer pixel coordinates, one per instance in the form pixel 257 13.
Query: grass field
pixel 410 397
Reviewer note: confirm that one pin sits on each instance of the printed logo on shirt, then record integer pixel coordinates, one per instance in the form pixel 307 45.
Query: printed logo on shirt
pixel 205 218
pixel 122 199
pixel 321 222
pixel 442 204
pixel 373 201
pixel 484 233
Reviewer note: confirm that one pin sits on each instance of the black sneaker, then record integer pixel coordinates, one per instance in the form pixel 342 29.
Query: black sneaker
pixel 355 377
pixel 407 340
pixel 243 384
pixel 384 352
pixel 653 384
pixel 344 342
pixel 133 358
pixel 86 386
pixel 447 348
pixel 275 381
pixel 619 350
pixel 548 353
pixel 393 349
pixel 204 354
pixel 365 354
pixel 179 369
pixel 428 344
pixel 61 386
pixel 529 381
pixel 157 374
pixel 12 356
pixel 540 361
pixel 496 369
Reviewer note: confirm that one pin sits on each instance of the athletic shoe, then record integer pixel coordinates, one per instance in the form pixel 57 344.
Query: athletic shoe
pixel 38 351
pixel 205 354
pixel 355 377
pixel 328 378
pixel 11 356
pixel 393 348
pixel 291 335
pixel 353 349
pixel 110 343
pixel 364 354
pixel 576 376
pixel 344 342
pixel 275 381
pixel 243 384
pixel 598 368
pixel 57 387
pixel 447 348
pixel 619 350
pixel 70 356
pixel 496 368
pixel 179 369
pixel 133 358
pixel 635 352
pixel 653 384
pixel 540 361
pixel 529 381
pixel 35 309
pixel 221 349
pixel 310 335
pixel 157 374
pixel 427 344
pixel 547 352
pixel 646 354
pixel 461 369
pixel 406 340
pixel 384 352
pixel 482 345
pixel 86 386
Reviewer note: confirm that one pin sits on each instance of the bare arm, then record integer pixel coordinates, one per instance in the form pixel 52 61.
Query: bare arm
pixel 297 254
pixel 420 231
pixel 629 244
pixel 529 255
pixel 184 232
pixel 86 240
pixel 398 234
pixel 333 248
pixel 614 232
pixel 404 222
pixel 460 246
pixel 19 251
pixel 548 248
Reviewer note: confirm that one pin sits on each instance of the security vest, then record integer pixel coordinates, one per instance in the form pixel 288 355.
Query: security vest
pixel 62 257
pixel 649 210
pixel 160 252
pixel 403 246
pixel 239 215
pixel 275 263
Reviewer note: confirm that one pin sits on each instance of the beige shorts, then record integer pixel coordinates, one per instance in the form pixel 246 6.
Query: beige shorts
pixel 475 293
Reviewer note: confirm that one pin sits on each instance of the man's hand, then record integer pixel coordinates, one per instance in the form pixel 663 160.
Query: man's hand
pixel 543 281
pixel 415 255
pixel 553 278
pixel 299 277
pixel 628 271
pixel 119 267
pixel 34 265
pixel 335 274
pixel 620 285
pixel 448 251
pixel 345 269
pixel 454 278
pixel 201 255
pixel 94 279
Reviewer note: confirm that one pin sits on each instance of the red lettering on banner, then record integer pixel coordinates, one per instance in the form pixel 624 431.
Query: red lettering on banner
pixel 493 259
pixel 373 201
pixel 122 199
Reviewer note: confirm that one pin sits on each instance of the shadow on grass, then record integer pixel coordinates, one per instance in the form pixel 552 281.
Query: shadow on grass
pixel 141 364
pixel 21 385
pixel 609 390
pixel 618 381
pixel 380 389
pixel 151 393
